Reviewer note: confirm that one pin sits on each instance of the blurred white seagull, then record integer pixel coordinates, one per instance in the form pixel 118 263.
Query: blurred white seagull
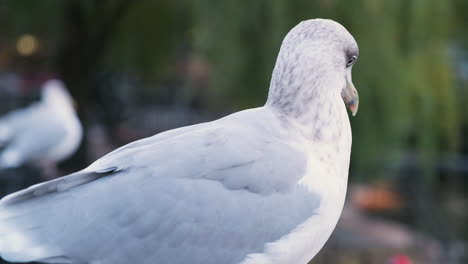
pixel 264 185
pixel 47 131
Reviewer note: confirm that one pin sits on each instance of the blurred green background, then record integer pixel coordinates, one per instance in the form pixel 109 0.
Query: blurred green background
pixel 137 68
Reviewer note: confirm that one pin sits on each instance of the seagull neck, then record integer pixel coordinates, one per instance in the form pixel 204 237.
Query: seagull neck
pixel 319 118
pixel 325 126
pixel 324 120
pixel 312 100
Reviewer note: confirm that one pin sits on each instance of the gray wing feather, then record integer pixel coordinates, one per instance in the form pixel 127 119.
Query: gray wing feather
pixel 55 186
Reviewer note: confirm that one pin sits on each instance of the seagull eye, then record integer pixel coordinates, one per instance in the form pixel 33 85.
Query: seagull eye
pixel 351 60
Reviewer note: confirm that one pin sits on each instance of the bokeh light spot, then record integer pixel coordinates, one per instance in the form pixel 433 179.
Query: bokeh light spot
pixel 27 45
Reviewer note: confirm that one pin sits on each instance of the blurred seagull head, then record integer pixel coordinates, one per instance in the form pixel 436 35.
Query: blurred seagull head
pixel 56 95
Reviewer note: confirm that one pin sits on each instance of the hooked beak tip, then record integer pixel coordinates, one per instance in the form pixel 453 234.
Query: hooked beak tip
pixel 353 107
pixel 350 97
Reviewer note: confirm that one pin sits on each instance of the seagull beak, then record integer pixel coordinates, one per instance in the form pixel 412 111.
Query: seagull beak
pixel 350 97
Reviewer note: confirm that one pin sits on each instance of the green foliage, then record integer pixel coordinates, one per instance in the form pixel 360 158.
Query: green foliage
pixel 143 37
pixel 405 74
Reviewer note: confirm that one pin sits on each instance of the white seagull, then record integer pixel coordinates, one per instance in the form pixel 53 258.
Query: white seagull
pixel 48 131
pixel 264 185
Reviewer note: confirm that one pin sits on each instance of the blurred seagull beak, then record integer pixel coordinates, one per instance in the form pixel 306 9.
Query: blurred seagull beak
pixel 350 97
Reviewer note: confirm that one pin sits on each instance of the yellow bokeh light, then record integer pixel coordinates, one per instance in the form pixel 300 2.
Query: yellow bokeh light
pixel 26 45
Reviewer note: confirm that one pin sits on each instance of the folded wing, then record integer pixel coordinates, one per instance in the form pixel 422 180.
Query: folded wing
pixel 212 193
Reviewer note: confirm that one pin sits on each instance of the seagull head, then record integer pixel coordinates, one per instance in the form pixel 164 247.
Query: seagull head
pixel 316 59
pixel 54 93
